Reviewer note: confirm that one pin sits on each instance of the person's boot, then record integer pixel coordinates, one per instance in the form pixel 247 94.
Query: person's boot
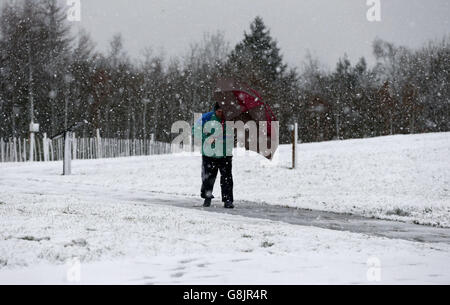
pixel 207 203
pixel 229 205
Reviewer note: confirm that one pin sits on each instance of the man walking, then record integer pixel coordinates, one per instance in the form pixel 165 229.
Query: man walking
pixel 216 156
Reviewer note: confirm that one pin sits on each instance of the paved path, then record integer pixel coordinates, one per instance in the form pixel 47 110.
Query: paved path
pixel 327 220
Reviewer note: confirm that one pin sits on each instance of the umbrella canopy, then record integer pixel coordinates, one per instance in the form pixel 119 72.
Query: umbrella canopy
pixel 242 103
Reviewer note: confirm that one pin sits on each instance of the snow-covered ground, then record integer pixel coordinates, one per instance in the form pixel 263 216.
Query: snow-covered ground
pixel 397 177
pixel 47 219
pixel 135 243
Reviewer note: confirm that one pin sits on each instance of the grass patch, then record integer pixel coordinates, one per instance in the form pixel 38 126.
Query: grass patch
pixel 398 212
pixel 428 210
pixel 77 242
pixel 69 211
pixel 267 244
pixel 32 238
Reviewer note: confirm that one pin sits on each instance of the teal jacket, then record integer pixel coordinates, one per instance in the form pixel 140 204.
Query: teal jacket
pixel 199 128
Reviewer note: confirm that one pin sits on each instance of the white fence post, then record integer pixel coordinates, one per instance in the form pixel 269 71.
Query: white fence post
pixel 31 147
pixel 45 147
pixel 2 150
pixel 99 145
pixel 294 145
pixel 67 166
pixel 14 150
pixel 74 146
pixel 20 150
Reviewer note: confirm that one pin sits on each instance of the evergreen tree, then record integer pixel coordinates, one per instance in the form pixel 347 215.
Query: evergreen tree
pixel 82 68
pixel 35 52
pixel 257 61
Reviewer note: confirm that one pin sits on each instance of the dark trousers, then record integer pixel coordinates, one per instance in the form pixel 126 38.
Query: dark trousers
pixel 210 167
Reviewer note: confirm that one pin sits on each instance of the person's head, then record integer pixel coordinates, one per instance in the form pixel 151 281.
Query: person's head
pixel 219 111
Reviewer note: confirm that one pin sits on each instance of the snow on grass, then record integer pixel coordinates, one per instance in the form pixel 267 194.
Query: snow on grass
pixel 95 215
pixel 398 177
pixel 405 177
pixel 126 242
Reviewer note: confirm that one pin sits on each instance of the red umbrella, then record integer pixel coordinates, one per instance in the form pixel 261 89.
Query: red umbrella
pixel 242 103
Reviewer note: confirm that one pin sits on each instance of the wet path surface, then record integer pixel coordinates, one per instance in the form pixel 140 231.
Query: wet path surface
pixel 326 220
pixel 295 216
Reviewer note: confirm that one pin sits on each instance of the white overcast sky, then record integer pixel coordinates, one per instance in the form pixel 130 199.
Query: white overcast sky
pixel 327 28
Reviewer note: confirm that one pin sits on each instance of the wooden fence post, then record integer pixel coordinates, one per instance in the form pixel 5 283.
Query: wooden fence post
pixel 14 150
pixel 31 159
pixel 67 166
pixel 294 145
pixel 38 151
pixel 74 146
pixel 2 150
pixel 45 147
pixel 99 145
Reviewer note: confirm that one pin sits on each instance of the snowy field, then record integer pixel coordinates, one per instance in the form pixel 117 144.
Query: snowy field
pixel 403 178
pixel 130 243
pixel 47 219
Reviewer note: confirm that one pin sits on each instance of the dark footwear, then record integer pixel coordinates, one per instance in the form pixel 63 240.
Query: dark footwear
pixel 207 203
pixel 229 205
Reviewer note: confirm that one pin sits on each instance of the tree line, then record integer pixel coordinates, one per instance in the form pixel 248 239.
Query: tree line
pixel 57 78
